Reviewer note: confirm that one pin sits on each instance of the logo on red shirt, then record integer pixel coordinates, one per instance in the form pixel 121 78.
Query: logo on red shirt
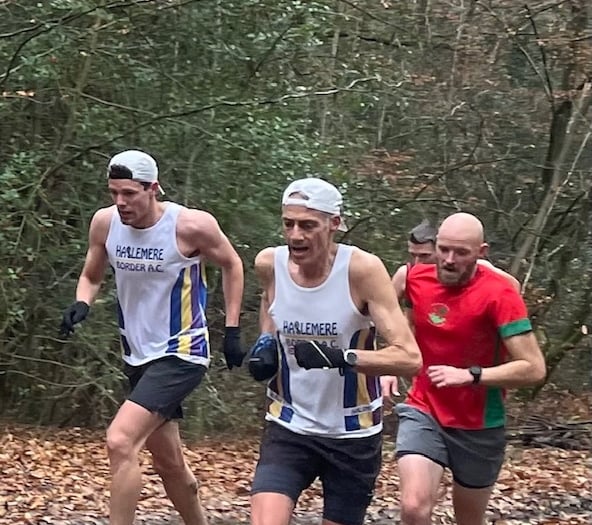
pixel 437 314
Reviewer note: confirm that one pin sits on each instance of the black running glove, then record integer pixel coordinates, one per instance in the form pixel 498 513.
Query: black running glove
pixel 318 355
pixel 233 352
pixel 263 358
pixel 74 314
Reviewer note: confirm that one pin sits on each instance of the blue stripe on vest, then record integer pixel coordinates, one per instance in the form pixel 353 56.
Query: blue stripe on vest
pixel 175 314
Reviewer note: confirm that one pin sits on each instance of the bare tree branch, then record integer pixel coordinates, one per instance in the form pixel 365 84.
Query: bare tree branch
pixel 47 26
pixel 201 109
pixel 512 35
pixel 532 240
pixel 541 49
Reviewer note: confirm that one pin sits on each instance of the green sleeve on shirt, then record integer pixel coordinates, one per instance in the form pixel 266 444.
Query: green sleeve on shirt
pixel 520 326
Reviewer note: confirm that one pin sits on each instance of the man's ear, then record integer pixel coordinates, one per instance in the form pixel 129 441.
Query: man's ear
pixel 484 250
pixel 335 221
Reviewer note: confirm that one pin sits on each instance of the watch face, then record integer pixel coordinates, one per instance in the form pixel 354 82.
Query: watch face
pixel 351 358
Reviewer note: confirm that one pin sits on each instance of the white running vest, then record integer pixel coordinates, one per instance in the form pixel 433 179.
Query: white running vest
pixel 161 294
pixel 323 402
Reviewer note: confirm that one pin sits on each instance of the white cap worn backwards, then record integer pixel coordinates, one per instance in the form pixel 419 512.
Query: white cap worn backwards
pixel 142 166
pixel 315 194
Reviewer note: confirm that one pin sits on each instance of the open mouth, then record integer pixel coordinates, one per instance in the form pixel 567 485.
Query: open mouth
pixel 298 250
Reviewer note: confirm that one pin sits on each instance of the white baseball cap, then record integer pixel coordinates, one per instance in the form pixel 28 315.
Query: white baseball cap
pixel 315 194
pixel 142 166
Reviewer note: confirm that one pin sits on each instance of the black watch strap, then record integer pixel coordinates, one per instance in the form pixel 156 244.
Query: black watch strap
pixel 476 373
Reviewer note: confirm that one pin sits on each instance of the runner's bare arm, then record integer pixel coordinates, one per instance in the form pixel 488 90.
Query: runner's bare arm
pixel 526 366
pixel 200 233
pixel 398 282
pixel 96 259
pixel 264 271
pixel 389 385
pixel 371 283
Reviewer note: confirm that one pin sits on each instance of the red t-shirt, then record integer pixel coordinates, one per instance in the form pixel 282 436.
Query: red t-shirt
pixel 462 326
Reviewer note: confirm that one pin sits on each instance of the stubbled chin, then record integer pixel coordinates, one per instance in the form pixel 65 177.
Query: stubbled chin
pixel 448 278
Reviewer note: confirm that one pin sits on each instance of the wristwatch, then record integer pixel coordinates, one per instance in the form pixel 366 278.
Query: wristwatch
pixel 476 373
pixel 350 357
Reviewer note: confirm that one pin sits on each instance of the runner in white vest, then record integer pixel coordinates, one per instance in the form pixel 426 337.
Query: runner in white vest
pixel 155 250
pixel 321 304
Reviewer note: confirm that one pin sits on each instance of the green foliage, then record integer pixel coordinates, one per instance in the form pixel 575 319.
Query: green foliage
pixel 414 111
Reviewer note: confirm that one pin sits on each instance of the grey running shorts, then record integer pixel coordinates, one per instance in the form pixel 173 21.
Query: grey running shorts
pixel 474 457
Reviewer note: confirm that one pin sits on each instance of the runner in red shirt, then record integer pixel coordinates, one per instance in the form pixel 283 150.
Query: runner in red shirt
pixel 463 326
pixel 476 340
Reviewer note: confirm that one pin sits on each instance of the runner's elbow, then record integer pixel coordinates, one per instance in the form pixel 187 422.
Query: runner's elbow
pixel 412 363
pixel 416 362
pixel 538 373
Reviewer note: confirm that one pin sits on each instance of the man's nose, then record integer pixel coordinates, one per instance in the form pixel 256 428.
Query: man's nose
pixel 296 233
pixel 449 257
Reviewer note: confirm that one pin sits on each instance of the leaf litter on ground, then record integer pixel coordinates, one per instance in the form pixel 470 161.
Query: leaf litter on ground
pixel 61 476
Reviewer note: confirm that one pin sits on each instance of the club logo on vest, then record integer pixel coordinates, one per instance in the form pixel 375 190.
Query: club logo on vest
pixel 139 258
pixel 318 332
pixel 437 314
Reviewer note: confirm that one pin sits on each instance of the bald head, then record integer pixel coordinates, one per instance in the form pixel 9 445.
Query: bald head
pixel 462 227
pixel 458 246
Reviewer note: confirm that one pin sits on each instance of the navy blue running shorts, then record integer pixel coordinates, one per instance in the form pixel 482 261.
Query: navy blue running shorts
pixel 347 468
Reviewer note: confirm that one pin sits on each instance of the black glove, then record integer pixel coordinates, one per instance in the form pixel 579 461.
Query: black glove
pixel 263 358
pixel 75 313
pixel 318 355
pixel 233 352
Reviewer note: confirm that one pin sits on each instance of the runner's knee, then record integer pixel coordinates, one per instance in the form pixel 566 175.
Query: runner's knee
pixel 120 446
pixel 169 466
pixel 271 509
pixel 415 509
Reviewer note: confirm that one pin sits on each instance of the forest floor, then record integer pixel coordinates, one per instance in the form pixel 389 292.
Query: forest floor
pixel 60 476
